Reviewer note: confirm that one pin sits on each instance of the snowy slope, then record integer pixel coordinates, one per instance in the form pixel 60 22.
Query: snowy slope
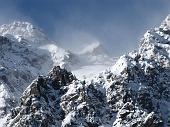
pixel 135 92
pixel 22 59
pixel 19 65
pixel 24 31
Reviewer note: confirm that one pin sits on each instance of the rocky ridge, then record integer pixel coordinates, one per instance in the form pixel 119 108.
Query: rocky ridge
pixel 41 99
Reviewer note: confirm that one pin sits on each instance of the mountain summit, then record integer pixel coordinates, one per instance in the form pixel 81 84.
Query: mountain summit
pixel 24 31
pixel 94 49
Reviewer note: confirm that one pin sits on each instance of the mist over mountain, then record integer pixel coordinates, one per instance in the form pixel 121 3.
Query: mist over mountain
pixel 84 63
pixel 116 24
pixel 43 84
pixel 27 52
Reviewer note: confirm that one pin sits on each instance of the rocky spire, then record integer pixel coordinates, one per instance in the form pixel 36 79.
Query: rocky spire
pixel 40 102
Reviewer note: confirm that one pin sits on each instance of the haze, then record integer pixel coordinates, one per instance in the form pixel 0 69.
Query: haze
pixel 117 24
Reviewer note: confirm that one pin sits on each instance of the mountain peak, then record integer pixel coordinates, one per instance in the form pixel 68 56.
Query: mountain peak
pixel 94 48
pixel 166 23
pixel 23 30
pixel 17 27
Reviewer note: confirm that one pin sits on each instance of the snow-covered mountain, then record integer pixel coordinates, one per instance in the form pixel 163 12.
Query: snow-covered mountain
pixel 24 57
pixel 135 92
pixel 19 65
pixel 24 31
pixel 95 53
pixel 42 97
pixel 94 48
pixel 26 52
pixel 94 59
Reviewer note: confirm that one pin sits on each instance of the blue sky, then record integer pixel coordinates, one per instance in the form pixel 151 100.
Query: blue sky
pixel 117 24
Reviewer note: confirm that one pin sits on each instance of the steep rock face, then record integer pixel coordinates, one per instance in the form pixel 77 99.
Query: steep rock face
pixel 19 65
pixel 40 102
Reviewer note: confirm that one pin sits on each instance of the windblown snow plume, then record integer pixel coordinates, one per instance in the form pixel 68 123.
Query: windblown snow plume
pixel 26 52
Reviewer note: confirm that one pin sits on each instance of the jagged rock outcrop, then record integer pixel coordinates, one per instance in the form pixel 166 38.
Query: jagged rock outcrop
pixel 24 54
pixel 19 65
pixel 40 102
pixel 85 105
